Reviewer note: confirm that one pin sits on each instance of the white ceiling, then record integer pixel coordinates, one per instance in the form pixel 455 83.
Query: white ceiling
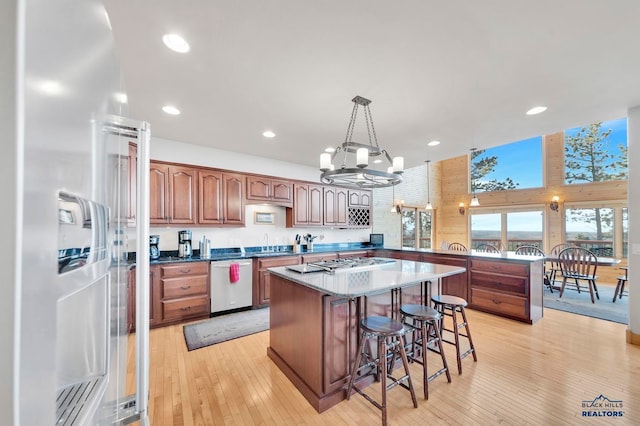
pixel 462 72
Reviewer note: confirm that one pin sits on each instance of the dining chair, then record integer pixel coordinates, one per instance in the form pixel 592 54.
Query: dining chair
pixel 457 247
pixel 529 250
pixel 486 248
pixel 579 265
pixel 555 265
pixel 622 281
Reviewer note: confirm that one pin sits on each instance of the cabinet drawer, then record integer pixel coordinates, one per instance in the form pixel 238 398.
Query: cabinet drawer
pixel 173 288
pixel 499 303
pixel 499 282
pixel 186 268
pixel 500 267
pixel 277 261
pixel 183 308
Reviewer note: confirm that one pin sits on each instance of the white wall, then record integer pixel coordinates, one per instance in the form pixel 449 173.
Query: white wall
pixel 633 143
pixel 252 235
pixel 9 171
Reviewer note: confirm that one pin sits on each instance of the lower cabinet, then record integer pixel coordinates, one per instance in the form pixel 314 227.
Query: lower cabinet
pixel 131 298
pixel 262 278
pixel 455 285
pixel 184 291
pixel 509 289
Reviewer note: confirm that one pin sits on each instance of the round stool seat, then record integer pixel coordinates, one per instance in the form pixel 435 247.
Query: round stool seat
pixel 445 299
pixel 384 326
pixel 420 312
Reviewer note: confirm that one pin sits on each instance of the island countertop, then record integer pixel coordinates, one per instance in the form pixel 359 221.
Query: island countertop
pixel 369 280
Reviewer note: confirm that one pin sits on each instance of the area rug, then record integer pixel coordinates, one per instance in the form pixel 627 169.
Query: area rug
pixel 580 303
pixel 225 327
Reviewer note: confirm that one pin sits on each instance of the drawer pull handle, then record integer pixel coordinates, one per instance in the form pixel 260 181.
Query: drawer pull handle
pixel 185 287
pixel 185 271
pixel 188 308
pixel 497 302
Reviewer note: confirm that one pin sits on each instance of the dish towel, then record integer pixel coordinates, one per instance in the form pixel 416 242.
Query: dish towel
pixel 234 272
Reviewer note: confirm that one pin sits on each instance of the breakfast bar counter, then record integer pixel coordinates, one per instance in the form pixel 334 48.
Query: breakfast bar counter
pixel 314 318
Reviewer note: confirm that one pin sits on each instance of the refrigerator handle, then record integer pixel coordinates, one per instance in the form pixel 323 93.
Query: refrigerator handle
pixel 142 274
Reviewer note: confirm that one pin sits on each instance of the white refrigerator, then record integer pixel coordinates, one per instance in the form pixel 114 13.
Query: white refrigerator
pixel 71 218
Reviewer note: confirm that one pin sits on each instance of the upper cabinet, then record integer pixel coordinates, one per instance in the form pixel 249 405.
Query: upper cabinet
pixel 273 191
pixel 359 198
pixel 172 194
pixel 307 206
pixel 220 198
pixel 335 206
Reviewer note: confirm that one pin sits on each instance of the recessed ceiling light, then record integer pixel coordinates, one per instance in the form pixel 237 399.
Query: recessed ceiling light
pixel 171 110
pixel 268 134
pixel 433 143
pixel 121 97
pixel 378 161
pixel 51 87
pixel 536 110
pixel 330 149
pixel 175 43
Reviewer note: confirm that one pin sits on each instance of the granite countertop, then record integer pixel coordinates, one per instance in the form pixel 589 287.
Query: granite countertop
pixel 369 280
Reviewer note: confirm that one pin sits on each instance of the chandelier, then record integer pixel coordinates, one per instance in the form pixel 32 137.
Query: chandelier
pixel 354 170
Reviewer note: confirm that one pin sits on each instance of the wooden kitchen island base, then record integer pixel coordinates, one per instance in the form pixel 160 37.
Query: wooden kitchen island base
pixel 312 340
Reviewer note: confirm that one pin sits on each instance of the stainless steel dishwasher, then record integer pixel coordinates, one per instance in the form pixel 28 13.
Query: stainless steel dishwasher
pixel 227 295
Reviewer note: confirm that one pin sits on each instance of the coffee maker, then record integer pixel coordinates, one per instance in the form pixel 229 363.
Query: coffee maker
pixel 184 244
pixel 154 251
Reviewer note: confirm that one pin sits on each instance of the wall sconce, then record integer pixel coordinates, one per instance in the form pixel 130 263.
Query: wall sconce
pixel 461 208
pixel 553 205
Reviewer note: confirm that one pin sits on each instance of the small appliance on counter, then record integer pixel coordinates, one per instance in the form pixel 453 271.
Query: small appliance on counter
pixel 154 250
pixel 205 248
pixel 376 240
pixel 184 244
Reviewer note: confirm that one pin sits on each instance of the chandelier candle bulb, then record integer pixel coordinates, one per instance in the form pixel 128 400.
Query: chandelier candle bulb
pixel 325 161
pixel 398 164
pixel 362 157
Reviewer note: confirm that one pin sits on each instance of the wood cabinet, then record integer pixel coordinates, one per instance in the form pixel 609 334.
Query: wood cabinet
pixel 154 283
pixel 455 285
pixel 266 190
pixel 172 194
pixel 308 207
pixel 182 292
pixel 262 278
pixel 335 206
pixel 220 198
pixel 509 289
pixel 358 198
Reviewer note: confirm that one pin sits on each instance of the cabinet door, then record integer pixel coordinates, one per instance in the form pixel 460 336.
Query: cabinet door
pixel 233 204
pixel 329 206
pixel 341 212
pixel 315 205
pixel 282 192
pixel 339 342
pixel 365 199
pixel 258 188
pixel 301 205
pixel 182 186
pixel 158 193
pixel 210 197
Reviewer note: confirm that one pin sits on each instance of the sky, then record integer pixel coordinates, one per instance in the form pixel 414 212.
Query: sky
pixel 522 162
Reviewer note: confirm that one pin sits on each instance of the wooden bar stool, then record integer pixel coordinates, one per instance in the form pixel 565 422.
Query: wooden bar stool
pixel 425 333
pixel 388 334
pixel 450 306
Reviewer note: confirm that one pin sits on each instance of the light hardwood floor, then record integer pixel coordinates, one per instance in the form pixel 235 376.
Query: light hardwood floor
pixel 525 375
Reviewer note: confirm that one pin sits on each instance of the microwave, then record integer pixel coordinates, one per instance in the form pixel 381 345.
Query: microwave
pixel 376 240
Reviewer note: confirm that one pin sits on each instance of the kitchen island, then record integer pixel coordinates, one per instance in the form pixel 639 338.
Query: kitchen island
pixel 314 318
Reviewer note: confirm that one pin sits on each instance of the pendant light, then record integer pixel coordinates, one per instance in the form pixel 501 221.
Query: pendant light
pixel 428 206
pixel 354 170
pixel 474 201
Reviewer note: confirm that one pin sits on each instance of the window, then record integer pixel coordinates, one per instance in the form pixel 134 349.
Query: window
pixel 416 228
pixel 596 153
pixel 591 228
pixel 516 165
pixel 511 229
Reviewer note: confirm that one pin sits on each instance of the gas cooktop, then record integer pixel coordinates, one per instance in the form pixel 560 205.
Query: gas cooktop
pixel 339 264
